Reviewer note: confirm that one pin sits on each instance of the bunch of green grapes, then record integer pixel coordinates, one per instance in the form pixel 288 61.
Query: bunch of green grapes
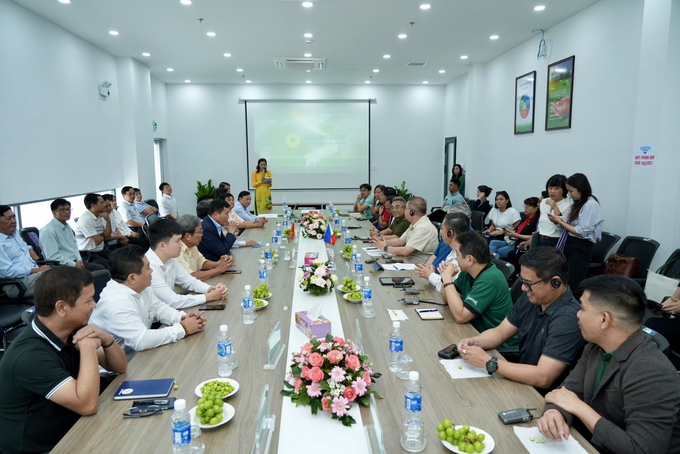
pixel 210 406
pixel 259 303
pixel 348 284
pixel 261 291
pixel 466 440
pixel 355 295
pixel 347 251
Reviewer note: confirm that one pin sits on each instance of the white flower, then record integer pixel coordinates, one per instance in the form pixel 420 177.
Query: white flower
pixel 317 262
pixel 319 236
pixel 313 279
pixel 320 271
pixel 334 278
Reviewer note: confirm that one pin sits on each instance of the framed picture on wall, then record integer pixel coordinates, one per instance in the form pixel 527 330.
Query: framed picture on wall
pixel 525 96
pixel 560 94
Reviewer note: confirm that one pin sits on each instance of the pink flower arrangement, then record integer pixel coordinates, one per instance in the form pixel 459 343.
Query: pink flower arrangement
pixel 329 375
pixel 313 225
pixel 317 278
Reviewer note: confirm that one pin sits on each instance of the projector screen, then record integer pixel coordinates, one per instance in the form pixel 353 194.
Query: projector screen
pixel 310 144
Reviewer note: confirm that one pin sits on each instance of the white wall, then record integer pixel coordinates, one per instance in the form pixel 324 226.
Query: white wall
pixel 56 132
pixel 159 108
pixel 207 138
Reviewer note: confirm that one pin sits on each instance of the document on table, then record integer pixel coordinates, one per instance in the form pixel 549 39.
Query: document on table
pixel 536 443
pixel 268 215
pixel 398 266
pixel 458 368
pixel 373 251
pixel 397 315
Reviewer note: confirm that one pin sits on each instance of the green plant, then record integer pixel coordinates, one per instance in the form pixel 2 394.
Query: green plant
pixel 205 189
pixel 402 191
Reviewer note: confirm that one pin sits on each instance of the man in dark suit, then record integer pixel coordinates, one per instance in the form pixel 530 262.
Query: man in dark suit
pixel 215 243
pixel 623 389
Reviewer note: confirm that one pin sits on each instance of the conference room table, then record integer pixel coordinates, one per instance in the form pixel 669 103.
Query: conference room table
pixel 192 360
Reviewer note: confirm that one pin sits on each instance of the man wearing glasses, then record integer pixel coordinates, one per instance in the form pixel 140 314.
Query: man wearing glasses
pixel 17 259
pixel 399 223
pixel 544 319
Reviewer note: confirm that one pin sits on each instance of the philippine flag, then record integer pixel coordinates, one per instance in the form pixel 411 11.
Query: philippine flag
pixel 330 235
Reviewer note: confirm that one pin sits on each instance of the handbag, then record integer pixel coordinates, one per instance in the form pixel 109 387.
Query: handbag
pixel 621 265
pixel 658 286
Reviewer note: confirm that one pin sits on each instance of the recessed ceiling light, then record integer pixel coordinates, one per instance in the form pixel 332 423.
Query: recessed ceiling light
pixel 493 37
pixel 463 57
pixel 239 70
pixel 308 81
pixel 185 2
pixel 376 70
pixel 307 4
pixel 65 1
pixel 425 82
pixel 146 54
pixel 187 81
pixel 170 70
pixel 227 54
pixel 211 34
pixel 249 81
pixel 425 6
pixel 308 55
pixel 367 82
pixel 387 56
pixel 442 71
pixel 402 36
pixel 539 8
pixel 114 33
pixel 309 70
pixel 308 35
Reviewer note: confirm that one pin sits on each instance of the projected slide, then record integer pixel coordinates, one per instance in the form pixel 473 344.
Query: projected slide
pixel 310 145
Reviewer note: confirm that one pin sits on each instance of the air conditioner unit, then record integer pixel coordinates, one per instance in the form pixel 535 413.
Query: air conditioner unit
pixel 300 64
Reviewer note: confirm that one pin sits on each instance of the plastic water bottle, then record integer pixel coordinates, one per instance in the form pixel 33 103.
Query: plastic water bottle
pixel 336 222
pixel 358 270
pixel 268 256
pixel 413 438
pixel 345 235
pixel 286 223
pixel 367 307
pixel 264 274
pixel 248 306
pixel 285 204
pixel 353 261
pixel 278 232
pixel 225 353
pixel 181 428
pixel 396 346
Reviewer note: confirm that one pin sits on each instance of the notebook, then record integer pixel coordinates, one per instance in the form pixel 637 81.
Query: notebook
pixel 144 389
pixel 429 314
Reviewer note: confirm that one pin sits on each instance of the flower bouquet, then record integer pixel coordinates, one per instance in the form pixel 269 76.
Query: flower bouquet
pixel 330 375
pixel 317 278
pixel 313 225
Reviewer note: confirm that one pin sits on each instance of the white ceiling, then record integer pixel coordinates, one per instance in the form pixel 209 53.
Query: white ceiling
pixel 352 34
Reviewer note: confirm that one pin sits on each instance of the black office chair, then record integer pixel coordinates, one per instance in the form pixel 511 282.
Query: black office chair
pixel 644 250
pixel 31 235
pixel 508 269
pixel 671 268
pixel 535 239
pixel 438 225
pixel 152 202
pixel 150 219
pixel 600 251
pixel 516 290
pixel 477 220
pixel 11 310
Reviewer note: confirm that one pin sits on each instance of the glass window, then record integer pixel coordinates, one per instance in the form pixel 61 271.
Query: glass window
pixel 158 165
pixel 38 214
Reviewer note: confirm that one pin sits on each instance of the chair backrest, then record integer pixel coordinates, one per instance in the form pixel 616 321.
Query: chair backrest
pixel 438 225
pixel 150 219
pixel 535 239
pixel 641 248
pixel 478 220
pixel 508 269
pixel 31 235
pixel 672 266
pixel 661 342
pixel 516 290
pixel 152 202
pixel 602 247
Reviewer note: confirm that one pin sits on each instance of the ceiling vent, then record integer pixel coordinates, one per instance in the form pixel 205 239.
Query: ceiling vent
pixel 300 64
pixel 416 65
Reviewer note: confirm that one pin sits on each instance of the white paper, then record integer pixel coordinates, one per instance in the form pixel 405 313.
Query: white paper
pixel 569 446
pixel 268 215
pixel 397 315
pixel 458 368
pixel 373 252
pixel 405 266
pixel 389 266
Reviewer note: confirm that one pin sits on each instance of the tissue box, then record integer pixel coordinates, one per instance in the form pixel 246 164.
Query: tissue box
pixel 310 257
pixel 312 328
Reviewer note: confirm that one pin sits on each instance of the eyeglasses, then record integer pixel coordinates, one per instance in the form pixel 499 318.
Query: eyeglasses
pixel 142 412
pixel 396 207
pixel 9 218
pixel 529 285
pixel 64 210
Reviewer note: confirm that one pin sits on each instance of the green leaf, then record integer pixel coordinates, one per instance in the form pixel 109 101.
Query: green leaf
pixel 286 393
pixel 296 371
pixel 324 385
pixel 329 338
pixel 365 400
pixel 363 358
pixel 288 385
pixel 347 420
pixel 377 375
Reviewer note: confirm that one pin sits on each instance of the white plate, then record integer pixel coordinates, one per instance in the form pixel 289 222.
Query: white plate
pixel 233 383
pixel 227 414
pixel 489 443
pixel 265 298
pixel 356 289
pixel 352 301
pixel 266 303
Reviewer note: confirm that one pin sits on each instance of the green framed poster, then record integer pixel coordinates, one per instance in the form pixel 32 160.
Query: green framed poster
pixel 525 108
pixel 560 94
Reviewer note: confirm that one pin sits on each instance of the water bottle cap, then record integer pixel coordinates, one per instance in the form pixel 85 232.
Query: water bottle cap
pixel 396 325
pixel 247 287
pixel 413 376
pixel 366 278
pixel 261 261
pixel 267 245
pixel 180 404
pixel 358 256
pixel 224 328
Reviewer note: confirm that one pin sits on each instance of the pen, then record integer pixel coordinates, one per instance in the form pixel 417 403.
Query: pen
pixel 426 310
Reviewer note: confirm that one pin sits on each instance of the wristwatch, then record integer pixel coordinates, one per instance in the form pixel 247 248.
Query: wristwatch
pixel 385 248
pixel 492 365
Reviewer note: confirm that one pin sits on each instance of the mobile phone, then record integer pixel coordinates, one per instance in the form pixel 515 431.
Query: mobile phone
pixel 366 241
pixel 411 301
pixel 411 291
pixel 369 260
pixel 516 415
pixel 449 352
pixel 212 307
pixel 397 281
pixel 233 271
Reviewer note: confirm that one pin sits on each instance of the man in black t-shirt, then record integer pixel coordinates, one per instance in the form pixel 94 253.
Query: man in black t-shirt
pixel 49 374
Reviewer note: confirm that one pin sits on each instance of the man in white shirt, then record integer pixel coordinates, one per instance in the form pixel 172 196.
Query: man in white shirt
pixel 241 207
pixel 118 225
pixel 165 239
pixel 129 212
pixel 168 205
pixel 128 307
pixel 453 225
pixel 93 230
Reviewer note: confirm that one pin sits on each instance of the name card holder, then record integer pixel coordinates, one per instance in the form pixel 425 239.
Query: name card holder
pixel 275 348
pixel 373 431
pixel 357 337
pixel 265 424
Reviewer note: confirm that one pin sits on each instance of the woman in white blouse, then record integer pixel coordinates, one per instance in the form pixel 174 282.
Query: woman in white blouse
pixel 502 216
pixel 557 204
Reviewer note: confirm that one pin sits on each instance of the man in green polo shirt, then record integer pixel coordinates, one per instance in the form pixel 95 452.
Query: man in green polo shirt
pixel 49 375
pixel 480 294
